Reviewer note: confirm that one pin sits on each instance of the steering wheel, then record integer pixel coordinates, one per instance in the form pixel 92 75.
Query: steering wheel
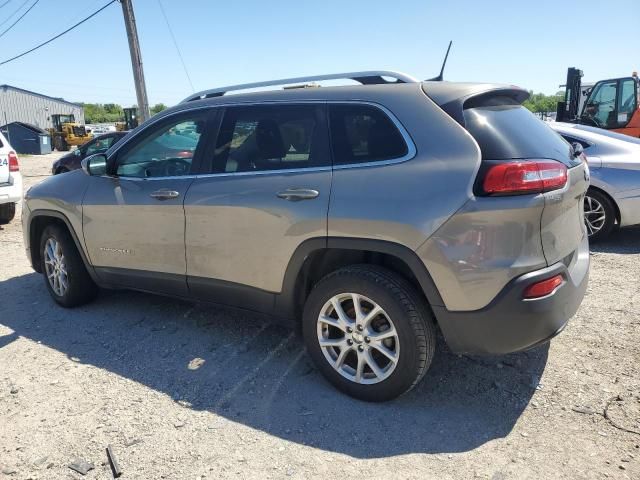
pixel 176 167
pixel 593 119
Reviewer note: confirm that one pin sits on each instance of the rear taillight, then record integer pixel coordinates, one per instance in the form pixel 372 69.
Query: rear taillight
pixel 530 176
pixel 13 162
pixel 543 288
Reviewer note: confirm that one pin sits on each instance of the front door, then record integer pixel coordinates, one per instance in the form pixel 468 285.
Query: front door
pixel 133 219
pixel 267 191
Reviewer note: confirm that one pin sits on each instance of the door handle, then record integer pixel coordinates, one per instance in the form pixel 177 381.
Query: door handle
pixel 165 194
pixel 297 194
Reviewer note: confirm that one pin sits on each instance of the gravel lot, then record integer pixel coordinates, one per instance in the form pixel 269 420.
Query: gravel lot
pixel 184 391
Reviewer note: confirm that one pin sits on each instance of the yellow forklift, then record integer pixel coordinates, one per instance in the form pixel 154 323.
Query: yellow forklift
pixel 130 120
pixel 66 132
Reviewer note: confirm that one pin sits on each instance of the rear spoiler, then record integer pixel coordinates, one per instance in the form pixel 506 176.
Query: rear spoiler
pixel 453 98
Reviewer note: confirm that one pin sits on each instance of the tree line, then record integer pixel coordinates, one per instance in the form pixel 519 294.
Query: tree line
pixel 111 112
pixel 541 103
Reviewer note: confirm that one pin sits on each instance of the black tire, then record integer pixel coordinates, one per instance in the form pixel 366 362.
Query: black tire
pixel 411 317
pixel 62 170
pixel 60 144
pixel 609 214
pixel 7 213
pixel 81 288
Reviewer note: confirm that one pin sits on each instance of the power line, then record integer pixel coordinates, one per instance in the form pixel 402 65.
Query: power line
pixel 4 3
pixel 16 11
pixel 19 18
pixel 175 43
pixel 57 36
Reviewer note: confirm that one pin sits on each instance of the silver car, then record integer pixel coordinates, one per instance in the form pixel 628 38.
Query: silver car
pixel 614 160
pixel 366 216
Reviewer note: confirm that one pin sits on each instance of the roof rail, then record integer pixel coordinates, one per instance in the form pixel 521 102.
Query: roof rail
pixel 365 78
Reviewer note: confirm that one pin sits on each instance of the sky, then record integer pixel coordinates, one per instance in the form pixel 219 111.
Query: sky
pixel 529 44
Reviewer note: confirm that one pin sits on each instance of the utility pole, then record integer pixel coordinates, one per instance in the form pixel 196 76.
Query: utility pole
pixel 136 60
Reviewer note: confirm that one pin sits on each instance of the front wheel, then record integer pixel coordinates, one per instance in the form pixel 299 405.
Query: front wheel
pixel 369 332
pixel 65 275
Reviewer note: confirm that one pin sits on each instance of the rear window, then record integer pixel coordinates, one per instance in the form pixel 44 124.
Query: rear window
pixel 508 132
pixel 363 133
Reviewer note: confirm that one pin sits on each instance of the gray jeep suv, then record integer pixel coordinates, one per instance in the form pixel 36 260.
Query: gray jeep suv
pixel 367 215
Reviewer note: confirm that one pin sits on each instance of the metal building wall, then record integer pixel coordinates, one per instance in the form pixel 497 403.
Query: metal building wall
pixel 20 106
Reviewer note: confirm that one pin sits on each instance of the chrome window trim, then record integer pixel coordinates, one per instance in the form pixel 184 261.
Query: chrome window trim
pixel 411 147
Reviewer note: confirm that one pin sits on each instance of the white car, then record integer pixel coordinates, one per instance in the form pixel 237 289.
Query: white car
pixel 10 181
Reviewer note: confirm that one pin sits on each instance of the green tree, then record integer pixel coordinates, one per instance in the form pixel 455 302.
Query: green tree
pixel 541 103
pixel 157 108
pixel 102 113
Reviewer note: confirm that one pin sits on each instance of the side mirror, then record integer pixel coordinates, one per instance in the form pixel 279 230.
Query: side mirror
pixel 578 149
pixel 95 165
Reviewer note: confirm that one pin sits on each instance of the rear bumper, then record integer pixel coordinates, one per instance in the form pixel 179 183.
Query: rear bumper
pixel 11 192
pixel 510 323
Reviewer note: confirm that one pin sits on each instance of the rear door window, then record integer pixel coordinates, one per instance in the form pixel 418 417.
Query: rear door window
pixel 363 133
pixel 269 137
pixel 511 132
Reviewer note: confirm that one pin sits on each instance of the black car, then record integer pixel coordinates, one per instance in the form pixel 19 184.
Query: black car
pixel 99 144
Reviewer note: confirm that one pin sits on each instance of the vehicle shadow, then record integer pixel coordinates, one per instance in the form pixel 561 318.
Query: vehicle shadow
pixel 621 240
pixel 258 374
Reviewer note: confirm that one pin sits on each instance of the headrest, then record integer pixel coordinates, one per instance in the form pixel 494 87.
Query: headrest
pixel 269 140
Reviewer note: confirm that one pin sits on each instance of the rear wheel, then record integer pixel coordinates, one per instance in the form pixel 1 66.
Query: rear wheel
pixel 7 212
pixel 369 332
pixel 599 215
pixel 60 143
pixel 65 275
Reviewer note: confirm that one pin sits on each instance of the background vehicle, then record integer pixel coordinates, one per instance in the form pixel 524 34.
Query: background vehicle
pixel 67 132
pixel 99 144
pixel 10 181
pixel 130 119
pixel 364 215
pixel 613 197
pixel 609 104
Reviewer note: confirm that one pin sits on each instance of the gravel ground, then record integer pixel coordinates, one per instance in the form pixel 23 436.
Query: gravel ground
pixel 184 391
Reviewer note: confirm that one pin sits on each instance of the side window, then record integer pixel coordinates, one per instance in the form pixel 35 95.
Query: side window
pixel 363 133
pixel 100 145
pixel 601 104
pixel 166 152
pixel 269 138
pixel 626 101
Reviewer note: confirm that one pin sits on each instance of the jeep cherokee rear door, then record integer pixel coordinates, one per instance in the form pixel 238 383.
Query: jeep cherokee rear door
pixel 267 191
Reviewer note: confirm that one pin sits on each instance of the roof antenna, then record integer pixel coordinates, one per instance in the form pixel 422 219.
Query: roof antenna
pixel 440 77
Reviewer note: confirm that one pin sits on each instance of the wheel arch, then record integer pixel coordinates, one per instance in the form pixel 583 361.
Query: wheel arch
pixel 315 258
pixel 38 221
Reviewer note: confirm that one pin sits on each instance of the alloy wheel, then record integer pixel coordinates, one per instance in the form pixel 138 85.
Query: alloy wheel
pixel 358 338
pixel 594 215
pixel 55 266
